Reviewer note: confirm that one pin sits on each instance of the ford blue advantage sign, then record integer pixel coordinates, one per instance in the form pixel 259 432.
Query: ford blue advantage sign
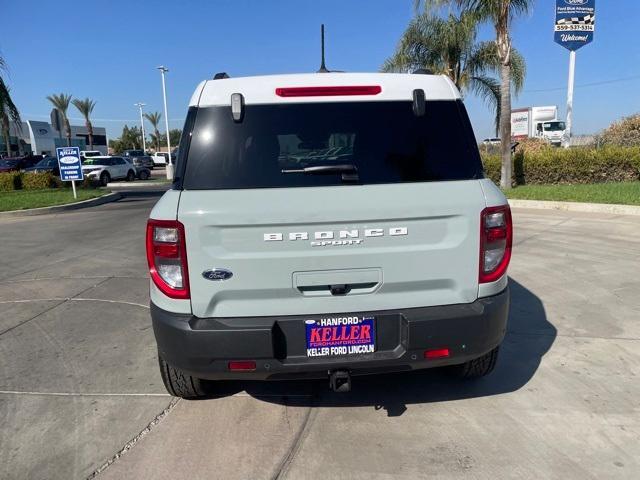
pixel 575 23
pixel 69 163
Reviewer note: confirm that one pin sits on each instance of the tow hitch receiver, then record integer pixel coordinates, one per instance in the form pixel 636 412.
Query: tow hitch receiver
pixel 340 381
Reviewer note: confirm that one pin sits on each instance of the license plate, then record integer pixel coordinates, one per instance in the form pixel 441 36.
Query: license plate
pixel 340 335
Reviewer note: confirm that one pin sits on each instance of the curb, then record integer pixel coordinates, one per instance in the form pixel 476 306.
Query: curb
pixel 92 202
pixel 139 184
pixel 577 207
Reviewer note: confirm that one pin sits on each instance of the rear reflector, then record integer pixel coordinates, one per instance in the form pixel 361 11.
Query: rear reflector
pixel 328 91
pixel 242 366
pixel 437 353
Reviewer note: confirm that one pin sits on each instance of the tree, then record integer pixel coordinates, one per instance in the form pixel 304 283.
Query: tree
pixel 61 102
pixel 501 14
pixel 130 139
pixel 624 133
pixel 85 107
pixel 448 46
pixel 154 120
pixel 174 137
pixel 8 111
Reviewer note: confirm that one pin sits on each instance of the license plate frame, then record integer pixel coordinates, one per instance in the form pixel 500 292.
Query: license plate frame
pixel 340 336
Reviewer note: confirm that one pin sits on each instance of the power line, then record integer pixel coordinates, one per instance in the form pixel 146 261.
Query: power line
pixel 584 85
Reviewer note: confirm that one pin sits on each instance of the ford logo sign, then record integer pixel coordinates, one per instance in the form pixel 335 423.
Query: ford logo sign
pixel 68 160
pixel 43 131
pixel 575 2
pixel 217 274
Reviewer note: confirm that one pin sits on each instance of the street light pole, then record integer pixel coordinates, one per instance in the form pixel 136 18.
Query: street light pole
pixel 164 70
pixel 144 143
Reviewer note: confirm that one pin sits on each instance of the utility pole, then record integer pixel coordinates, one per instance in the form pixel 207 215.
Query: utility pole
pixel 144 143
pixel 164 70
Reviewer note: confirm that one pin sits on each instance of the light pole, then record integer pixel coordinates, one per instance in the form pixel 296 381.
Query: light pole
pixel 164 70
pixel 144 143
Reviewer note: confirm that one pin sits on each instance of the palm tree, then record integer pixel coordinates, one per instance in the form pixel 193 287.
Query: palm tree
pixel 61 102
pixel 154 120
pixel 448 46
pixel 85 107
pixel 8 111
pixel 500 13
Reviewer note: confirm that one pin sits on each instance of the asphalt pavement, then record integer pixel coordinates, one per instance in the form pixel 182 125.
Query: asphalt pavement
pixel 81 396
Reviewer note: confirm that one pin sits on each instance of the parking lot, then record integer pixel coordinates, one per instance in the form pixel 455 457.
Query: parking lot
pixel 81 395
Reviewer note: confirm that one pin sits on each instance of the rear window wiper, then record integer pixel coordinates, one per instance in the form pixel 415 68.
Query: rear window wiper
pixel 349 171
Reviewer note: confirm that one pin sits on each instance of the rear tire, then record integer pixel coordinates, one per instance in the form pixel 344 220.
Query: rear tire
pixel 144 175
pixel 478 367
pixel 131 176
pixel 105 178
pixel 179 383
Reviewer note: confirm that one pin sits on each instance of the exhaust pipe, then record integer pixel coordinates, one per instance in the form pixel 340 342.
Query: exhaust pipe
pixel 340 381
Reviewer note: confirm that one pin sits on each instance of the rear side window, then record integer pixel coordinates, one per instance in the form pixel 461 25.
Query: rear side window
pixel 384 141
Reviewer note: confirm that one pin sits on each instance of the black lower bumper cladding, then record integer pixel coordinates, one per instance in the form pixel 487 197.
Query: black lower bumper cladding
pixel 203 347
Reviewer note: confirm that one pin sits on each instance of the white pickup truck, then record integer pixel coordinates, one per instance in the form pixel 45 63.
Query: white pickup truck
pixel 160 158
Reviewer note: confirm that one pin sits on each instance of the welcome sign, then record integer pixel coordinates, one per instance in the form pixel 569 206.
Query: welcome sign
pixel 575 23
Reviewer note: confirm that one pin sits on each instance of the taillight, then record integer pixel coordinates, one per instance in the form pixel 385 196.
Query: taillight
pixel 496 232
pixel 167 257
pixel 328 91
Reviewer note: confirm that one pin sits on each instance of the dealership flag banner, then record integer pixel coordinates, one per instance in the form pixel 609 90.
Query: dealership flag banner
pixel 575 23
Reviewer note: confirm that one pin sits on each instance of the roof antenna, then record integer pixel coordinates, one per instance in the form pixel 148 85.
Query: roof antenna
pixel 323 68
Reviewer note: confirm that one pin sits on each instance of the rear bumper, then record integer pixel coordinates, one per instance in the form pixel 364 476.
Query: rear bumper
pixel 203 347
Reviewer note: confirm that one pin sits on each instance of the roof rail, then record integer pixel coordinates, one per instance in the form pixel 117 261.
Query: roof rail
pixel 220 75
pixel 423 71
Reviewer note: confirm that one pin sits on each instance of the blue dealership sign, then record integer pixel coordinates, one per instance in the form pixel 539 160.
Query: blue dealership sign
pixel 575 23
pixel 69 163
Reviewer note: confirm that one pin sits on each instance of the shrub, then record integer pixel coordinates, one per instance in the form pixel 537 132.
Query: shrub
pixel 570 166
pixel 10 181
pixel 38 181
pixel 625 133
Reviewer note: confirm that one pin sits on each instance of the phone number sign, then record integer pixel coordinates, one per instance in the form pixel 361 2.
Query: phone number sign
pixel 575 23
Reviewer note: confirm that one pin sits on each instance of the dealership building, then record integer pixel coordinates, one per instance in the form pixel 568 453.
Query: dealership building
pixel 40 137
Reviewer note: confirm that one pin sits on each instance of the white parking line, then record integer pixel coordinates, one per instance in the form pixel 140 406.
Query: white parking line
pixel 67 299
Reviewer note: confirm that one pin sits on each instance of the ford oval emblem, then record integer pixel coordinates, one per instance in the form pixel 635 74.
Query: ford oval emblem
pixel 575 2
pixel 68 160
pixel 217 274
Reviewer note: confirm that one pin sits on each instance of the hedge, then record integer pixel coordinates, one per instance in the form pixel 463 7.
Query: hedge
pixel 10 181
pixel 569 166
pixel 39 181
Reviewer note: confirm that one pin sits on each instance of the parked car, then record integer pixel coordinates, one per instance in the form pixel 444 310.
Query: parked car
pixel 270 259
pixel 47 164
pixel 89 153
pixel 160 158
pixel 139 158
pixel 132 153
pixel 18 163
pixel 105 169
pixel 142 173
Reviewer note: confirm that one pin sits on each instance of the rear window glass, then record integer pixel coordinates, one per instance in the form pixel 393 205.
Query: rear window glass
pixel 383 141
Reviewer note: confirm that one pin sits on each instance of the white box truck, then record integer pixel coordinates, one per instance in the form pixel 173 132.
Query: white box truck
pixel 538 122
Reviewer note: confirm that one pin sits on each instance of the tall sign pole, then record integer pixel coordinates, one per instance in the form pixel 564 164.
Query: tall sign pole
pixel 575 26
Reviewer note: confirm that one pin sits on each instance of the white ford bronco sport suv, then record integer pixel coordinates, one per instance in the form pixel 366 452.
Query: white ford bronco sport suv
pixel 327 225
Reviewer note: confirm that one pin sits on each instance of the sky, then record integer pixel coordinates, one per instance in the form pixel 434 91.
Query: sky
pixel 108 51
